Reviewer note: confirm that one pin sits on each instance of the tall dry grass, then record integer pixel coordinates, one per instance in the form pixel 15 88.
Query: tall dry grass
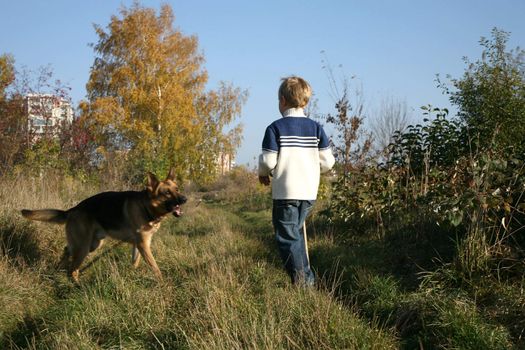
pixel 224 287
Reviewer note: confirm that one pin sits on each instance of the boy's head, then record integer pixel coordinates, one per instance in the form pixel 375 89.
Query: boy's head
pixel 294 92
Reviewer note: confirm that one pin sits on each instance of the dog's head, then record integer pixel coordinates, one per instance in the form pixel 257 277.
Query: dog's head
pixel 164 195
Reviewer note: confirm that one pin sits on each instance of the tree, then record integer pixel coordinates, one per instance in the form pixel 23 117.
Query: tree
pixel 490 95
pixel 351 143
pixel 392 116
pixel 438 143
pixel 58 145
pixel 12 126
pixel 217 109
pixel 7 74
pixel 147 97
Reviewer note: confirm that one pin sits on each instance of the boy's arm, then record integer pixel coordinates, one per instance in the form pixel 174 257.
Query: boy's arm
pixel 267 162
pixel 270 150
pixel 326 158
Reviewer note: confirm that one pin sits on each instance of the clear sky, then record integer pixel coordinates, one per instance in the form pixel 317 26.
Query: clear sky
pixel 395 48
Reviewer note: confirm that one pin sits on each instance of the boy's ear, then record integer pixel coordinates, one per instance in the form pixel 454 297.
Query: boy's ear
pixel 171 174
pixel 153 182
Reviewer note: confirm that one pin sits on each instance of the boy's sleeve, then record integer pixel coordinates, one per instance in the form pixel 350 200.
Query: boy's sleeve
pixel 326 158
pixel 270 150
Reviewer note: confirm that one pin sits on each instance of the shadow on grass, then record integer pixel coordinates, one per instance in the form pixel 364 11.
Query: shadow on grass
pixel 166 340
pixel 30 332
pixel 25 333
pixel 402 254
pixel 18 241
pixel 109 338
pixel 375 273
pixel 259 226
pixel 191 230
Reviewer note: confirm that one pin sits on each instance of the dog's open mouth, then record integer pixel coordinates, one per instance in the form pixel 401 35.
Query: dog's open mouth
pixel 177 211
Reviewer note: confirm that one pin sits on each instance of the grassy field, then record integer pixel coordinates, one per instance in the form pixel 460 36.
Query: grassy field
pixel 224 287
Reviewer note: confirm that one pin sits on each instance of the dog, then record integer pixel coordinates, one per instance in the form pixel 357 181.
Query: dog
pixel 127 216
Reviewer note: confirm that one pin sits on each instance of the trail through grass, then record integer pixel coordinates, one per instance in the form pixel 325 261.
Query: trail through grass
pixel 224 288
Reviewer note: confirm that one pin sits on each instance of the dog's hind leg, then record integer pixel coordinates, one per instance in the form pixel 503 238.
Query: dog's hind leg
pixel 135 256
pixel 97 241
pixel 77 257
pixel 64 259
pixel 80 233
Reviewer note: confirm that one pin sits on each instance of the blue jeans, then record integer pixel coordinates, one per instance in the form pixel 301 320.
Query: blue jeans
pixel 288 218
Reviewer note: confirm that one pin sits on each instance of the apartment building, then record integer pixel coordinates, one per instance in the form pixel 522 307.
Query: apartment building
pixel 225 163
pixel 46 113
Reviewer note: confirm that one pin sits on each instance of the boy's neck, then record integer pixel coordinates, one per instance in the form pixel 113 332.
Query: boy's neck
pixel 293 112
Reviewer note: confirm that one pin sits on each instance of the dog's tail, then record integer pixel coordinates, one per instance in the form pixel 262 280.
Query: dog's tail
pixel 48 215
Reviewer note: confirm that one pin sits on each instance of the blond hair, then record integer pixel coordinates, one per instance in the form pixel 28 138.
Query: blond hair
pixel 296 91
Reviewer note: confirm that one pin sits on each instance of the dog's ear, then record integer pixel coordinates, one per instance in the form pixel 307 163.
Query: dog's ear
pixel 171 174
pixel 153 182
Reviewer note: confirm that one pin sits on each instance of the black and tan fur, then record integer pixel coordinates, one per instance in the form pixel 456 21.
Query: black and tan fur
pixel 128 216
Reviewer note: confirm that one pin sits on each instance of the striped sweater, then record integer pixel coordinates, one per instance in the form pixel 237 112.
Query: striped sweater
pixel 295 150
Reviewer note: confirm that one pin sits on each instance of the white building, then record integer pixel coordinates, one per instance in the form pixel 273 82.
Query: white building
pixel 46 113
pixel 225 163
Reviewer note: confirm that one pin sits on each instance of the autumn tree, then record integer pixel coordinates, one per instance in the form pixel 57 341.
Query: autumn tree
pixel 59 145
pixel 147 97
pixel 7 74
pixel 11 113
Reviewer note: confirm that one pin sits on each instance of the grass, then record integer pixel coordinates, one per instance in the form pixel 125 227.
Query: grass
pixel 223 289
pixel 224 286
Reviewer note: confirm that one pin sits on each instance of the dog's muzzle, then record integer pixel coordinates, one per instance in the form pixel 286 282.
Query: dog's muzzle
pixel 175 208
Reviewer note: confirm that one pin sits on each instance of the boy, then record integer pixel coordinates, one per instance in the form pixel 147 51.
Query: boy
pixel 295 150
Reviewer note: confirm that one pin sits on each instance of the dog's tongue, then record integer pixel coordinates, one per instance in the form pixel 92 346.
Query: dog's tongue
pixel 176 211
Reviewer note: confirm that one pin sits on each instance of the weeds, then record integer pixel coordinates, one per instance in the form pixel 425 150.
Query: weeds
pixel 225 288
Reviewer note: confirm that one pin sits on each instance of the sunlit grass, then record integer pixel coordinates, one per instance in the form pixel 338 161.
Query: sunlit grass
pixel 224 288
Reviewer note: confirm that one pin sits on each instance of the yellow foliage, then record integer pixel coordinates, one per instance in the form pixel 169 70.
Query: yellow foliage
pixel 147 95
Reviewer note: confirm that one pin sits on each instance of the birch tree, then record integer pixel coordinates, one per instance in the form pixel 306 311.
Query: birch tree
pixel 147 97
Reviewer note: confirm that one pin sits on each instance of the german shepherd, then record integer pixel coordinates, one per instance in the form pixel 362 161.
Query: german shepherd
pixel 128 216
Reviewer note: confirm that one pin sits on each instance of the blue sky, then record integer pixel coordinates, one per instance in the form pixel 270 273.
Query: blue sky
pixel 394 48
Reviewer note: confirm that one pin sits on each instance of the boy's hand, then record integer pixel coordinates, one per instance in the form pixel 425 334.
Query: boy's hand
pixel 265 180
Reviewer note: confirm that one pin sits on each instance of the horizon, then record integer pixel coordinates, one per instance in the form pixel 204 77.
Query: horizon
pixel 394 50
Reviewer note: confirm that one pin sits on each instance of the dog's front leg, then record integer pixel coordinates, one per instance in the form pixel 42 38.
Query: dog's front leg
pixel 135 256
pixel 145 251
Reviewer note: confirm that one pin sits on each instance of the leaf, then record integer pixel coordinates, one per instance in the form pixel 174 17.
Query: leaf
pixel 456 217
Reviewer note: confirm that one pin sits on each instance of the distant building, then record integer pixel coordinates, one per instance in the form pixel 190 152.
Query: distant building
pixel 225 163
pixel 46 113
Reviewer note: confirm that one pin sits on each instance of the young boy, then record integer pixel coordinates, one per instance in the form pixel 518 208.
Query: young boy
pixel 295 150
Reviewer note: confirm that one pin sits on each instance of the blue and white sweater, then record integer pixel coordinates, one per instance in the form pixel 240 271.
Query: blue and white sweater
pixel 295 150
